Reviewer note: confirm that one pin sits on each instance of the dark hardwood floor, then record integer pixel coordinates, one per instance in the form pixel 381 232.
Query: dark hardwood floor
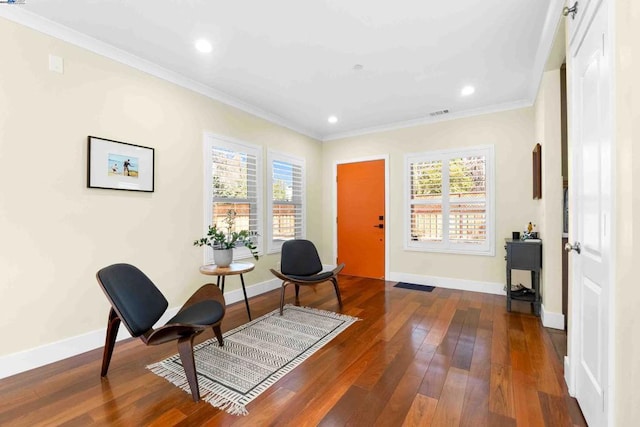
pixel 444 358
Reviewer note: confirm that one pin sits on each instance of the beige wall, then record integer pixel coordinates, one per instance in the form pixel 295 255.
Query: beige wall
pixel 511 133
pixel 625 290
pixel 56 233
pixel 547 111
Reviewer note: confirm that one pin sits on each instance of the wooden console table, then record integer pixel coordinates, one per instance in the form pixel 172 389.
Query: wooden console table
pixel 524 255
pixel 236 268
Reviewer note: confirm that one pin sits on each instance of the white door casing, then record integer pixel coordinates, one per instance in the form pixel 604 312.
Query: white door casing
pixel 591 193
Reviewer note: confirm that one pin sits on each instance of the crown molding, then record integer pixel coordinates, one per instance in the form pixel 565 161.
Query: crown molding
pixel 523 103
pixel 21 16
pixel 549 30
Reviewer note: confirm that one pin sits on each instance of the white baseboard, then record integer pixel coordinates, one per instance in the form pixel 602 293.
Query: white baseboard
pixel 16 363
pixel 449 283
pixel 551 319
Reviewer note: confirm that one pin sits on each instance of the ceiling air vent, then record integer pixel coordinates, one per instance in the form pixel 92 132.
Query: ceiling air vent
pixel 439 113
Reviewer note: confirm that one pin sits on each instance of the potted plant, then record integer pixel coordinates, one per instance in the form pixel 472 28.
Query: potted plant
pixel 222 241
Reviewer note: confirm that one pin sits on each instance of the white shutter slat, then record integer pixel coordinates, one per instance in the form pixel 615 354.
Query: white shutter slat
pixel 426 223
pixel 467 223
pixel 450 201
pixel 235 187
pixel 467 194
pixel 467 178
pixel 426 180
pixel 287 197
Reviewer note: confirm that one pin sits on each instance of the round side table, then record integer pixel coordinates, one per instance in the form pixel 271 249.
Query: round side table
pixel 236 268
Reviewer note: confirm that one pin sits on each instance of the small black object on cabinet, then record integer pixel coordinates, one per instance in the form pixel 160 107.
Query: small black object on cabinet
pixel 524 255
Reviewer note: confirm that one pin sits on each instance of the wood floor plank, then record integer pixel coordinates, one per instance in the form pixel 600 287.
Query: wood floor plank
pixel 399 403
pixel 541 360
pixel 501 391
pixel 464 348
pixel 500 349
pixel 441 326
pixel 554 410
pixel 344 408
pixel 268 409
pixel 421 412
pixel 434 379
pixel 475 411
pixel 528 411
pixel 446 357
pixel 168 418
pixel 449 408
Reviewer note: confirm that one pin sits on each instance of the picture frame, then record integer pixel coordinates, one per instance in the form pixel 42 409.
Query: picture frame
pixel 116 165
pixel 537 172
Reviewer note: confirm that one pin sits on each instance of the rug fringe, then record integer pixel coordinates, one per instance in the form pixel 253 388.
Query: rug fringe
pixel 331 314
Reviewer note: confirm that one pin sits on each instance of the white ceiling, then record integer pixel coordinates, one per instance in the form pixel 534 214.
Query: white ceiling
pixel 292 61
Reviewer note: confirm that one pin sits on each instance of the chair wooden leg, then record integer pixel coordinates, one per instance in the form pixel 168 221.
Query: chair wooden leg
pixel 297 291
pixel 110 341
pixel 185 348
pixel 218 332
pixel 335 285
pixel 284 286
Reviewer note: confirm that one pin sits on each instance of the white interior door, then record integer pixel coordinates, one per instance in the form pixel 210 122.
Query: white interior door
pixel 591 185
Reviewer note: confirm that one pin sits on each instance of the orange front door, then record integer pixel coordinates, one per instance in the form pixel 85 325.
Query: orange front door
pixel 361 218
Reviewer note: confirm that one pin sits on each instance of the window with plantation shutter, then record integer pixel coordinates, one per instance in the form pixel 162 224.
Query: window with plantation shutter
pixel 233 182
pixel 285 188
pixel 450 201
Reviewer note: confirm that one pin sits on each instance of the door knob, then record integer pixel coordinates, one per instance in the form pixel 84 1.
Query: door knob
pixel 569 247
pixel 571 10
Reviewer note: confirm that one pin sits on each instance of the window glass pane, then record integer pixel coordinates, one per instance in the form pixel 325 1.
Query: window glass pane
pixel 287 201
pixel 284 221
pixel 426 180
pixel 467 222
pixel 449 201
pixel 426 223
pixel 234 186
pixel 467 178
pixel 231 172
pixel 243 215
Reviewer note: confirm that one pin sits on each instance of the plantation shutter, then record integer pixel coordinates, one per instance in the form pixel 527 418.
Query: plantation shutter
pixel 286 199
pixel 467 200
pixel 450 201
pixel 426 201
pixel 235 185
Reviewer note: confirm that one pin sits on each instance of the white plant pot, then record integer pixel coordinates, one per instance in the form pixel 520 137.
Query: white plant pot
pixel 223 257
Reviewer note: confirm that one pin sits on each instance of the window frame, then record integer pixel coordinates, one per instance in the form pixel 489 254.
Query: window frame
pixel 213 140
pixel 272 156
pixel 446 246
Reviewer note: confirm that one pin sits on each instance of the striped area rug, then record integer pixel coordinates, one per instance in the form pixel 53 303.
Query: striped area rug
pixel 255 355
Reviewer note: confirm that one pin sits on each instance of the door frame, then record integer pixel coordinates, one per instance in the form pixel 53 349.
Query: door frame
pixel 572 361
pixel 385 158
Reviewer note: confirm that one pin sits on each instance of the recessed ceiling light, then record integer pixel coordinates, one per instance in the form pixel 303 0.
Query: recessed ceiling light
pixel 203 46
pixel 467 90
pixel 332 119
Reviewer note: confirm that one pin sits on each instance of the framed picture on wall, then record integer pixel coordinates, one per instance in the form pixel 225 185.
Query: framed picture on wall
pixel 537 172
pixel 118 165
